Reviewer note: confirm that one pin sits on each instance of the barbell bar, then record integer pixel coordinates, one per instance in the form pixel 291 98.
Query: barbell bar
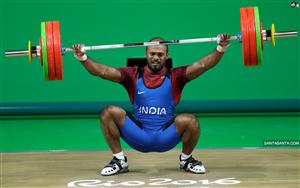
pixel 252 37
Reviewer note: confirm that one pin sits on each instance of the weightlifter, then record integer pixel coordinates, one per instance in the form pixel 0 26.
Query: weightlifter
pixel 154 92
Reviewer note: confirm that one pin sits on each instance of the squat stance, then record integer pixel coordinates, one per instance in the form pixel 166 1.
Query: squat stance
pixel 154 91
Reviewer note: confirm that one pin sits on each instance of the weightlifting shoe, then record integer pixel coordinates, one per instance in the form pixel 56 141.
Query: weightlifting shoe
pixel 115 166
pixel 192 165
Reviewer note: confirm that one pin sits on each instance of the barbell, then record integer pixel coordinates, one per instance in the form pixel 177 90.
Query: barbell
pixel 50 50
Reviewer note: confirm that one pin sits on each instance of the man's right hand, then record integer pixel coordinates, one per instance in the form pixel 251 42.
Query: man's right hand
pixel 79 52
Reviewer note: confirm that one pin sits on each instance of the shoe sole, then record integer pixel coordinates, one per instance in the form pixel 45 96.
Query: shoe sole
pixel 191 171
pixel 123 170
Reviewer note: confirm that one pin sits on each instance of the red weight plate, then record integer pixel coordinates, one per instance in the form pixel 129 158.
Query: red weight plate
pixel 41 53
pixel 57 50
pixel 50 51
pixel 245 36
pixel 252 36
pixel 261 36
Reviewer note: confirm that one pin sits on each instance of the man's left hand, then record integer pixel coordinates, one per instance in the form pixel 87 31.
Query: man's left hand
pixel 223 42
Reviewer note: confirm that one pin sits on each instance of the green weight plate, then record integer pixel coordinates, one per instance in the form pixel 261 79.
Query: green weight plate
pixel 44 50
pixel 258 36
pixel 262 37
pixel 41 52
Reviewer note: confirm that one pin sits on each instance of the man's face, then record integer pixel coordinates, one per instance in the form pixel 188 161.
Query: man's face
pixel 156 57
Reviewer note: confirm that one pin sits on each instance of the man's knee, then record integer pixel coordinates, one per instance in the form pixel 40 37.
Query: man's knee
pixel 112 112
pixel 106 111
pixel 187 121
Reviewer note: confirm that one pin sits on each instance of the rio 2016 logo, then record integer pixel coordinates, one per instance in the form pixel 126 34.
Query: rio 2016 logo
pixel 152 182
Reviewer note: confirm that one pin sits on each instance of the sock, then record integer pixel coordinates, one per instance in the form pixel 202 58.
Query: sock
pixel 119 156
pixel 184 156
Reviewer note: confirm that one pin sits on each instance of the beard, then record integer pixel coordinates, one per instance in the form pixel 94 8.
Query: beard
pixel 155 68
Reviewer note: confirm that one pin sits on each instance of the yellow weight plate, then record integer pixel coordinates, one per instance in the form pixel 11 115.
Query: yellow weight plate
pixel 273 34
pixel 29 52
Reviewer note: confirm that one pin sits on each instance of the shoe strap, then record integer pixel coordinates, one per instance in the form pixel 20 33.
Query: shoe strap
pixel 113 162
pixel 192 161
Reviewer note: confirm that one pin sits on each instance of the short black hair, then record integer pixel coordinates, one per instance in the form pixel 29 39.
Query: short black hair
pixel 157 39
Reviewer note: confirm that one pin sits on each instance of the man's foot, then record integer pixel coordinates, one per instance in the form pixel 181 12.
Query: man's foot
pixel 115 166
pixel 192 165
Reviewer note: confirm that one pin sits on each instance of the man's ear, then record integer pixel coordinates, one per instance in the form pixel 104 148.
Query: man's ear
pixel 146 52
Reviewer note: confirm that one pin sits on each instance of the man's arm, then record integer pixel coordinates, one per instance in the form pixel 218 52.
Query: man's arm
pixel 196 69
pixel 97 68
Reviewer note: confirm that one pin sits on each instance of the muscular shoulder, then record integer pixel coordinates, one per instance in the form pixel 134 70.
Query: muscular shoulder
pixel 128 73
pixel 179 79
pixel 179 74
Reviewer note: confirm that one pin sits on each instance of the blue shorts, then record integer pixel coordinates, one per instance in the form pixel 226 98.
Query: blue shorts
pixel 149 141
